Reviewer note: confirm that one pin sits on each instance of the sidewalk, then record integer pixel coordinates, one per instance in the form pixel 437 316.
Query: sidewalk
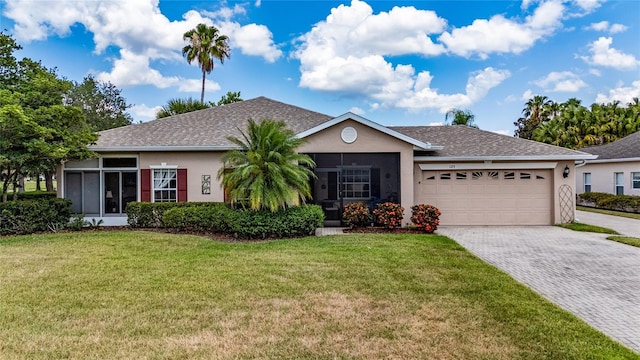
pixel 623 225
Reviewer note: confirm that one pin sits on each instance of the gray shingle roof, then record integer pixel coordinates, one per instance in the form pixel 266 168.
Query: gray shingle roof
pixel 625 148
pixel 465 141
pixel 208 127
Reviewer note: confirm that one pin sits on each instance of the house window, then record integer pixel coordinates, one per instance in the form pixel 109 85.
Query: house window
pixel 461 175
pixel 509 175
pixel 587 182
pixel 165 185
pixel 356 182
pixel 619 183
pixel 635 180
pixel 476 175
pixel 525 176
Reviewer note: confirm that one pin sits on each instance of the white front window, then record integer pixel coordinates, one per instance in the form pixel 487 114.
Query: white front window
pixel 587 182
pixel 356 182
pixel 619 181
pixel 165 185
pixel 635 180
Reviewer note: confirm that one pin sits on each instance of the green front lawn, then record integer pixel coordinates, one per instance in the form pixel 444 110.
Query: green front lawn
pixel 588 228
pixel 126 294
pixel 633 241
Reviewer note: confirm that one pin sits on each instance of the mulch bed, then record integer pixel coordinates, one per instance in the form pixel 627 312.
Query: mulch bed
pixel 382 230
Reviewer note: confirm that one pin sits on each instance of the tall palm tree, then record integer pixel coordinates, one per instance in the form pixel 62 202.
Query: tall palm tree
pixel 205 45
pixel 460 117
pixel 266 171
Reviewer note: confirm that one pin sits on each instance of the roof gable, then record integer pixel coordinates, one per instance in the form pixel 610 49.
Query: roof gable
pixel 359 119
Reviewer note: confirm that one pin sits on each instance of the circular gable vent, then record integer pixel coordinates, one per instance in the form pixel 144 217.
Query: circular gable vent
pixel 349 135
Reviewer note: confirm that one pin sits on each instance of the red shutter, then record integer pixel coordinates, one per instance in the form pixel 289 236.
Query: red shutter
pixel 145 185
pixel 182 185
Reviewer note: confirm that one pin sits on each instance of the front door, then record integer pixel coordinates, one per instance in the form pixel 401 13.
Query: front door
pixel 120 188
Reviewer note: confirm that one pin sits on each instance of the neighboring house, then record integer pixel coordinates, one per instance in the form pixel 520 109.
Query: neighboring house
pixel 615 171
pixel 475 177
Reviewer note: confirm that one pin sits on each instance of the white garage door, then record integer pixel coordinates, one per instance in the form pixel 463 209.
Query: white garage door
pixel 489 197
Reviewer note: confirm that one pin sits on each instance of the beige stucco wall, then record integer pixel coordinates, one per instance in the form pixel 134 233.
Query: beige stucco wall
pixel 558 181
pixel 368 140
pixel 197 164
pixel 602 176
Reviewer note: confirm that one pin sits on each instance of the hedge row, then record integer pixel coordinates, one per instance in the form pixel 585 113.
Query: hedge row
pixel 29 216
pixel 218 217
pixel 628 203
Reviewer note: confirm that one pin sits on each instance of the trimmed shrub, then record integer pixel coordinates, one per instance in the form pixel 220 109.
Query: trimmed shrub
pixel 389 214
pixel 628 203
pixel 425 217
pixel 36 195
pixel 150 215
pixel 291 222
pixel 29 216
pixel 356 214
pixel 210 217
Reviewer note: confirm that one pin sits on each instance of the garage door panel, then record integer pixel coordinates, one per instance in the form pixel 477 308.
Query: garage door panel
pixel 488 197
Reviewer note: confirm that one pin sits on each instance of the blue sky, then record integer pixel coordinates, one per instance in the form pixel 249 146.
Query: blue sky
pixel 393 62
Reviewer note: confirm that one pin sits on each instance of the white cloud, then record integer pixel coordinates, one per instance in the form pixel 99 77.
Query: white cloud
pixel 606 27
pixel 424 97
pixel 588 5
pixel 346 52
pixel 595 72
pixel 528 94
pixel 195 85
pixel 144 113
pixel 604 55
pixel 436 123
pixel 502 35
pixel 133 69
pixel 623 94
pixel 563 81
pixel 252 39
pixel 358 111
pixel 140 43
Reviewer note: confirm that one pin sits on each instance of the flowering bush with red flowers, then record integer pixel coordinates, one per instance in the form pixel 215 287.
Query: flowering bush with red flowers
pixel 389 214
pixel 425 217
pixel 356 215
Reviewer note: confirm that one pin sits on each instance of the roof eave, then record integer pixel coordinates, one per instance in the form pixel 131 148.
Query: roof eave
pixel 505 158
pixel 162 148
pixel 617 160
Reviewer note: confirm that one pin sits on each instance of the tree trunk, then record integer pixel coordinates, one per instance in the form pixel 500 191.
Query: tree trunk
pixel 38 188
pixel 48 180
pixel 202 93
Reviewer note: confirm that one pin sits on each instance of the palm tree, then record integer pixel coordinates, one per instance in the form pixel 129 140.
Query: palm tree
pixel 180 106
pixel 460 117
pixel 266 171
pixel 535 112
pixel 205 45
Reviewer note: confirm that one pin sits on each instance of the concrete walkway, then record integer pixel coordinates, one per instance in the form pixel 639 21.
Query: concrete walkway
pixel 623 225
pixel 596 279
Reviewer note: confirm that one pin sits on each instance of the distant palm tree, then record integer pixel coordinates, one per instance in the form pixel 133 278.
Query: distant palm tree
pixel 460 117
pixel 266 171
pixel 180 106
pixel 205 45
pixel 230 98
pixel 536 111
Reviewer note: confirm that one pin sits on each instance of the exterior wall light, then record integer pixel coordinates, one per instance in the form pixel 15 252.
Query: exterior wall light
pixel 566 171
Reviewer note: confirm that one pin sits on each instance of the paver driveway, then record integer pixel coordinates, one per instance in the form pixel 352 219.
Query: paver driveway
pixel 596 279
